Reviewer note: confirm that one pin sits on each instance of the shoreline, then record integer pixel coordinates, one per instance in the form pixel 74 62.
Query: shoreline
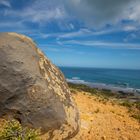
pixel 103 86
pixel 130 101
pixel 119 95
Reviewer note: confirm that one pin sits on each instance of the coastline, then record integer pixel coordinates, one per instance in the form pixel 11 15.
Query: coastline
pixel 118 95
pixel 112 88
pixel 124 80
pixel 129 100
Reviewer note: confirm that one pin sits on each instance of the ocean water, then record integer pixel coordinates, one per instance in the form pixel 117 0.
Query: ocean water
pixel 116 79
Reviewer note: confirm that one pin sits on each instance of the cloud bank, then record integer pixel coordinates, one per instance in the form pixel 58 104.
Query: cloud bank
pixel 102 12
pixel 91 13
pixel 63 20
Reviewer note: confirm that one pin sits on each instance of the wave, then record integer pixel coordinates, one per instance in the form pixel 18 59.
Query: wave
pixel 75 78
pixel 78 81
pixel 121 86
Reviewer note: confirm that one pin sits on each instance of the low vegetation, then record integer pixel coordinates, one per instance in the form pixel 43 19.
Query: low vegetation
pixel 106 95
pixel 81 87
pixel 14 131
pixel 102 92
pixel 133 108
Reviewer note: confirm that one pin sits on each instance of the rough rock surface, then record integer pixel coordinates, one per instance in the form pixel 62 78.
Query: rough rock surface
pixel 33 90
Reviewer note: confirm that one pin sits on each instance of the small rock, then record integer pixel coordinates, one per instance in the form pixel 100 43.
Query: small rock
pixel 103 137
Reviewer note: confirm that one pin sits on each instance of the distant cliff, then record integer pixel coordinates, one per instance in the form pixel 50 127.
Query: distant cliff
pixel 33 90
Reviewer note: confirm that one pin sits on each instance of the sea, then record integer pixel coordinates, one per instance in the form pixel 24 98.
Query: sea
pixel 114 79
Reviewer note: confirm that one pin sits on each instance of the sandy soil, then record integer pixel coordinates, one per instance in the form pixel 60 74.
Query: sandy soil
pixel 101 120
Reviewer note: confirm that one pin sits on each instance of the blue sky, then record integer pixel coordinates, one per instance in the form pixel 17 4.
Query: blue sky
pixel 81 33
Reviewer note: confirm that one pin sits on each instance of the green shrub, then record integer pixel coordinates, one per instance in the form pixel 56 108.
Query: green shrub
pixel 137 104
pixel 73 91
pixel 127 104
pixel 136 116
pixel 14 131
pixel 93 91
pixel 81 87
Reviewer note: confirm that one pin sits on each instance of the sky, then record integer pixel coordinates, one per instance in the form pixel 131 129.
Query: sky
pixel 79 33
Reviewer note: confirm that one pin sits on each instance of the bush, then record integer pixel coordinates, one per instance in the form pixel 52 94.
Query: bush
pixel 127 104
pixel 14 131
pixel 81 87
pixel 136 116
pixel 137 105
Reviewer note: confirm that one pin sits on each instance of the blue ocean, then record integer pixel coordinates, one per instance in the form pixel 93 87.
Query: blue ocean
pixel 116 79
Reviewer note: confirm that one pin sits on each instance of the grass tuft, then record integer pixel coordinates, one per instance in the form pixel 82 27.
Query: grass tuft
pixel 14 131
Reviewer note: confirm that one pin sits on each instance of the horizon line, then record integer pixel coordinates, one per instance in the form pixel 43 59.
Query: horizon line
pixel 98 67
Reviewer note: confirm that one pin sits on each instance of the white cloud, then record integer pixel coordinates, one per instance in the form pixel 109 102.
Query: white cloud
pixel 8 24
pixel 114 45
pixel 39 11
pixel 43 15
pixel 90 13
pixel 83 32
pixel 58 35
pixel 132 36
pixel 135 12
pixel 55 48
pixel 78 33
pixel 130 28
pixel 5 3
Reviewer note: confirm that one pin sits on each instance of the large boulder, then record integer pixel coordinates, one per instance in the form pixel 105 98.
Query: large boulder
pixel 33 90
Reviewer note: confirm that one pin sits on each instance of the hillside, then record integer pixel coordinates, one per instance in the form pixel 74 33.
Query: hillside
pixel 104 119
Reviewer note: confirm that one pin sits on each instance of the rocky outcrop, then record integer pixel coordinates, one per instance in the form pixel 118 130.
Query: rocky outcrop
pixel 33 90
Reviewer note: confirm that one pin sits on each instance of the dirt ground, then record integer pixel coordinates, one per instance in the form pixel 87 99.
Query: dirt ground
pixel 101 120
